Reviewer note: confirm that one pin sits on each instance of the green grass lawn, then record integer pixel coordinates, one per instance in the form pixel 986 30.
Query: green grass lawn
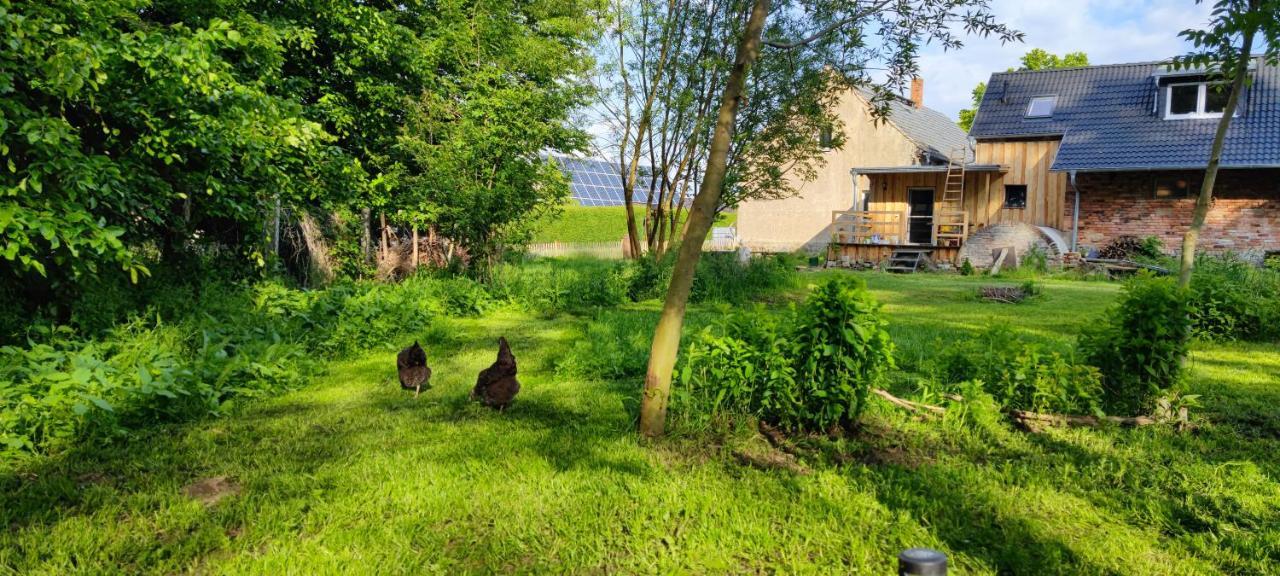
pixel 596 224
pixel 352 475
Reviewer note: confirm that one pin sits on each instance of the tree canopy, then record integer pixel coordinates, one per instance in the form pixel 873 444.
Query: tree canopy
pixel 138 131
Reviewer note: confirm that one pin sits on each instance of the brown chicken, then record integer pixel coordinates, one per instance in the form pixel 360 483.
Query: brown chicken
pixel 497 386
pixel 412 365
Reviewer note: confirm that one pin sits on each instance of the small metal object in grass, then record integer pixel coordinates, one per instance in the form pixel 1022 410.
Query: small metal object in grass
pixel 922 562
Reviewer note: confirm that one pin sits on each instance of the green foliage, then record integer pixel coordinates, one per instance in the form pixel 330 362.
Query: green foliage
pixel 120 130
pixel 1035 260
pixel 474 145
pixel 549 287
pixel 182 363
pixel 1023 375
pixel 742 364
pixel 614 345
pixel 809 371
pixel 1232 299
pixel 966 268
pixel 1034 59
pixel 1141 345
pixel 842 350
pixel 721 277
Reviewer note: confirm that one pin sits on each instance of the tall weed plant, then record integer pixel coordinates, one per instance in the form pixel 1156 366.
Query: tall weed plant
pixel 810 369
pixel 1141 345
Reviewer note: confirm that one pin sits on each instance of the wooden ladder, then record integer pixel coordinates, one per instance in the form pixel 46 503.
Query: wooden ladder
pixel 907 260
pixel 951 225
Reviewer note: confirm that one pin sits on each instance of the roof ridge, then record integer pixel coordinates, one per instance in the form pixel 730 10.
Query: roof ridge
pixel 1091 66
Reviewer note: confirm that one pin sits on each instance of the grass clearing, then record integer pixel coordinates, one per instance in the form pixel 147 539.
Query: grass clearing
pixel 596 224
pixel 352 475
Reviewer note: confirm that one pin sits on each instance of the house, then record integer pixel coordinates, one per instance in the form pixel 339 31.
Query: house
pixel 1084 155
pixel 911 135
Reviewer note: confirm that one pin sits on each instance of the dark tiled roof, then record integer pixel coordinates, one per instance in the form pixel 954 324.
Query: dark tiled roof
pixel 1110 118
pixel 929 129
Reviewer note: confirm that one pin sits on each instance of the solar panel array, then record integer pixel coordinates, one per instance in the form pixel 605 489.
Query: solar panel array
pixel 597 183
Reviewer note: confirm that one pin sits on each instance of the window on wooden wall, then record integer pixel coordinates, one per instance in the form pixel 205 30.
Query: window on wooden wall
pixel 1174 188
pixel 1015 195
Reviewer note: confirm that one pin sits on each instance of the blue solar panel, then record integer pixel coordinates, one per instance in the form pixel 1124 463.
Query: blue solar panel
pixel 597 182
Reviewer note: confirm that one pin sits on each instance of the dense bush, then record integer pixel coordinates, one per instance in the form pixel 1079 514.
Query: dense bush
pixel 1233 299
pixel 740 365
pixel 806 371
pixel 1022 375
pixel 171 362
pixel 1141 345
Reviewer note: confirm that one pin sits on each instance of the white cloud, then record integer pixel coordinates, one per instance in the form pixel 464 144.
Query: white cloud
pixel 1110 31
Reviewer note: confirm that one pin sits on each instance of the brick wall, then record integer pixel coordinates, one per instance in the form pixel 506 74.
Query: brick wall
pixel 1245 217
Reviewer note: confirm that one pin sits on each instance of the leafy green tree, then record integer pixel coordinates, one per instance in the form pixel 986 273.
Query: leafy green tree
pixel 122 131
pixel 1225 49
pixel 827 43
pixel 475 146
pixel 1035 59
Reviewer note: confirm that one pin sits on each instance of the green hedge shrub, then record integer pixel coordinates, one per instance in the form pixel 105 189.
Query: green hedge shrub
pixel 1234 300
pixel 1022 375
pixel 1141 345
pixel 806 371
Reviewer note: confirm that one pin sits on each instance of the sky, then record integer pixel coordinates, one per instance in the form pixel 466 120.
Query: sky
pixel 1109 31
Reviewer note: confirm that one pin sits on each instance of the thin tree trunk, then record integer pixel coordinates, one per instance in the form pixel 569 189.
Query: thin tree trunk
pixel 366 237
pixel 1205 200
pixel 666 338
pixel 317 248
pixel 384 237
pixel 415 248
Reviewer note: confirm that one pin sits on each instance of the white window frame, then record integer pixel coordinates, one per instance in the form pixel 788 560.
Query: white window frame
pixel 1202 98
pixel 1053 106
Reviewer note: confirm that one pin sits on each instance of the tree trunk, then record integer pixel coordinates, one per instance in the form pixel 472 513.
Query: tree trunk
pixel 317 248
pixel 384 237
pixel 666 338
pixel 1205 200
pixel 366 237
pixel 633 233
pixel 415 248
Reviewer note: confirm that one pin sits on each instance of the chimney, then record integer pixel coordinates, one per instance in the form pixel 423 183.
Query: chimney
pixel 917 92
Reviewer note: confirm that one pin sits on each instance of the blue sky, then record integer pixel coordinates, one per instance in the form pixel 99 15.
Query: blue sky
pixel 1110 31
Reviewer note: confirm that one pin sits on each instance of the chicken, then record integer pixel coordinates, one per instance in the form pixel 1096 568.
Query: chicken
pixel 412 365
pixel 497 386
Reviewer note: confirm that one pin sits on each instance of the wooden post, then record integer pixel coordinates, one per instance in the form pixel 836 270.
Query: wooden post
pixel 415 248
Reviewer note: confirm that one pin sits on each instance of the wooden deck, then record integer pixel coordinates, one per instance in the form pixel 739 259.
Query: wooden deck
pixel 876 253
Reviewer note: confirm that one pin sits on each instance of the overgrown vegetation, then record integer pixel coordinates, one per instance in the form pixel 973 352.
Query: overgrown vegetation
pixel 1023 375
pixel 125 361
pixel 566 461
pixel 1141 345
pixel 1234 300
pixel 810 370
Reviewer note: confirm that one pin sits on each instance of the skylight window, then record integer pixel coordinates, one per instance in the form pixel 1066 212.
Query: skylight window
pixel 1041 106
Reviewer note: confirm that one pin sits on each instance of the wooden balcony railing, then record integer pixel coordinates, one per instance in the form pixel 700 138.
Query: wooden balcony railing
pixel 868 227
pixel 950 228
